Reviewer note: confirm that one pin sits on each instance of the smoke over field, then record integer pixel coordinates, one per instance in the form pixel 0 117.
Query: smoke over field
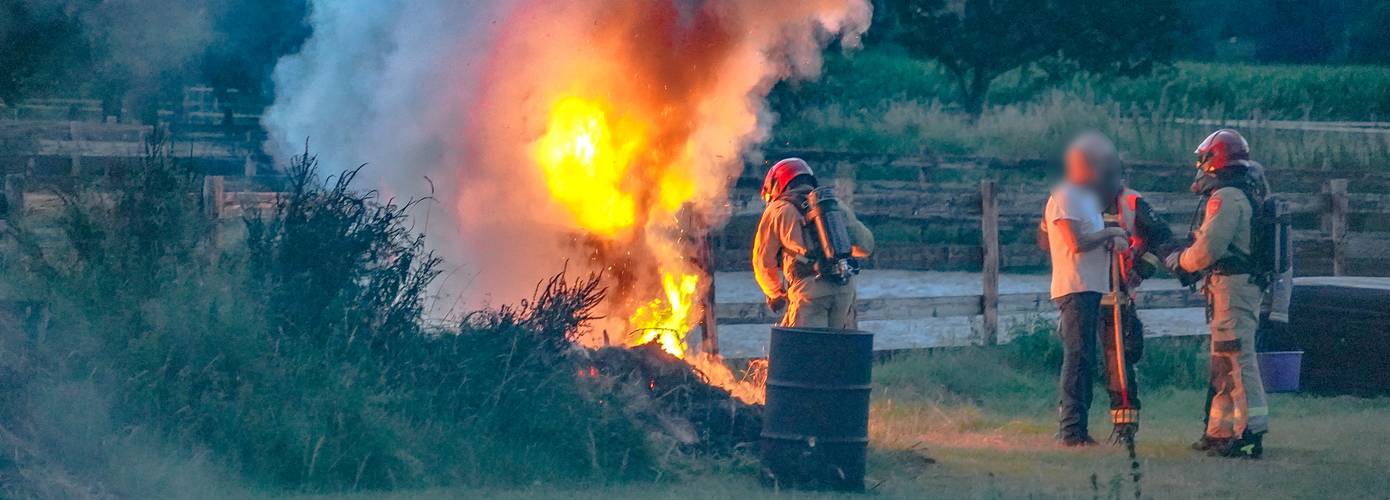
pixel 554 131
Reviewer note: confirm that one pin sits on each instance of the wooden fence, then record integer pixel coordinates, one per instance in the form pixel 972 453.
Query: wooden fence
pixel 989 225
pixel 1333 248
pixel 916 308
pixel 964 214
pixel 1326 238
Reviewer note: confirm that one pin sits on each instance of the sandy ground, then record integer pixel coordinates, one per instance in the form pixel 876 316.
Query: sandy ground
pixel 741 341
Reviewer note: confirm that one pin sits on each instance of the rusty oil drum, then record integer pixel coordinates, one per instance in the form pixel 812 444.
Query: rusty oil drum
pixel 816 423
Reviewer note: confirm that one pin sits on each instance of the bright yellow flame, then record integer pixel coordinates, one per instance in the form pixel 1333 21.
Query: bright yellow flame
pixel 667 320
pixel 605 169
pixel 676 190
pixel 586 156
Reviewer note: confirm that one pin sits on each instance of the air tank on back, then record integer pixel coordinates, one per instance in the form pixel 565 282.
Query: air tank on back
pixel 831 224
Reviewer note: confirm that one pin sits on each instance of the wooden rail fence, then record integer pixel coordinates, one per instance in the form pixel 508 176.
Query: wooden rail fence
pixel 1331 249
pixel 1342 225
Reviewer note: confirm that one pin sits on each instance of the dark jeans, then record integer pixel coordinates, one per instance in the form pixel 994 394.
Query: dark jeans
pixel 1082 321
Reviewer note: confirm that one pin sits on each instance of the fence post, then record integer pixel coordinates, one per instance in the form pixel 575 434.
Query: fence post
pixel 75 157
pixel 14 196
pixel 709 323
pixel 213 189
pixel 989 231
pixel 1335 223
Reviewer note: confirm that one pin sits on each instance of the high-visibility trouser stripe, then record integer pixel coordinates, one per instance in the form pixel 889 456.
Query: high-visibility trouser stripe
pixel 1257 411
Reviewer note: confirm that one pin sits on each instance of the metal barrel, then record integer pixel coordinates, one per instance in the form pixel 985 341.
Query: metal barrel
pixel 816 422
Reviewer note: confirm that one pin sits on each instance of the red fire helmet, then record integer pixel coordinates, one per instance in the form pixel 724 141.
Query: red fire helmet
pixel 781 174
pixel 1221 149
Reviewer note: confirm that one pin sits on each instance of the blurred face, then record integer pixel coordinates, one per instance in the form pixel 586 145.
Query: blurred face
pixel 1079 169
pixel 1091 161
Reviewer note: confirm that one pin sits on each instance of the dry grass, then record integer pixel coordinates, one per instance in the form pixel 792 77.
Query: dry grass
pixel 1037 129
pixel 882 101
pixel 994 441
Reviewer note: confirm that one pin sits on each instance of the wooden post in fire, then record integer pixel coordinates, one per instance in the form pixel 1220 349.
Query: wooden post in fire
pixel 1335 222
pixel 709 322
pixel 696 223
pixel 989 239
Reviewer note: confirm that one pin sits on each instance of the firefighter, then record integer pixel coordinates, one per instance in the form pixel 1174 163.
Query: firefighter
pixel 1095 218
pixel 1221 254
pixel 787 259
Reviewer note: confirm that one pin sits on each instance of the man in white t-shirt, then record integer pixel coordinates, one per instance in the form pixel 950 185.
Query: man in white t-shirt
pixel 1080 244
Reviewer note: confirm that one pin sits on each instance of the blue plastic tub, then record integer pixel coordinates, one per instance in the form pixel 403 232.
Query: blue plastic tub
pixel 1279 370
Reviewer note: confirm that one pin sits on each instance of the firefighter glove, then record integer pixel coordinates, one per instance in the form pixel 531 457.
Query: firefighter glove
pixel 777 304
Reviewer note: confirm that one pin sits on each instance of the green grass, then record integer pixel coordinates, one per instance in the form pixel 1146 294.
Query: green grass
pixel 1288 92
pixel 1039 129
pixel 880 101
pixel 978 423
pixel 868 78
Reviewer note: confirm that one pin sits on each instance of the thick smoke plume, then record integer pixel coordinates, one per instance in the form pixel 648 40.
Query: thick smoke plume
pixel 467 94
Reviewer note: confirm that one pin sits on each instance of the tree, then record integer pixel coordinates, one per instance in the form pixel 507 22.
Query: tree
pixel 1368 36
pixel 42 47
pixel 979 40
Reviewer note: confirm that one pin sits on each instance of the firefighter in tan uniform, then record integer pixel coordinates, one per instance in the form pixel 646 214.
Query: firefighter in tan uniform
pixel 1238 414
pixel 790 260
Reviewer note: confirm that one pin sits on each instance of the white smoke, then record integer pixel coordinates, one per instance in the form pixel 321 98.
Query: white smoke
pixel 455 91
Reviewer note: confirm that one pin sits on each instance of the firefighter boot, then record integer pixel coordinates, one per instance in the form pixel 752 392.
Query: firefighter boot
pixel 1250 445
pixel 1204 444
pixel 1221 447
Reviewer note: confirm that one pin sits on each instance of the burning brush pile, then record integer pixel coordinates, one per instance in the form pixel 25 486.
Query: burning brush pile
pixel 677 406
pixel 599 134
pixel 616 127
pixel 675 402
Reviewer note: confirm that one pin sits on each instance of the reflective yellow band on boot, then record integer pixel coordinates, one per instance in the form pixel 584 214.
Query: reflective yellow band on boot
pixel 1120 416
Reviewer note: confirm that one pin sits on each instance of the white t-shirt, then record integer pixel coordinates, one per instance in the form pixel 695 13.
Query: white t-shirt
pixel 1076 272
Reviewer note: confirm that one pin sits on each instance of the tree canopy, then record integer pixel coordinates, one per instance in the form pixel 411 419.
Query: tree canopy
pixel 979 40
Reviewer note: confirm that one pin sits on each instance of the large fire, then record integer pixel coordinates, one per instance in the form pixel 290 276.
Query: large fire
pixel 614 129
pixel 600 166
pixel 596 165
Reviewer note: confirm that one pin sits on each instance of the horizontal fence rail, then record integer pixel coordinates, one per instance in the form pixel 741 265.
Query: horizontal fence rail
pixel 913 308
pixel 931 213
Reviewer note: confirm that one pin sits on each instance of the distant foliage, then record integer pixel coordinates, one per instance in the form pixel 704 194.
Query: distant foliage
pixel 979 40
pixel 293 351
pixel 882 101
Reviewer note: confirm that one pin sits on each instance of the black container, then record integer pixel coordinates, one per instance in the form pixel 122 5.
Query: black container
pixel 1343 327
pixel 816 422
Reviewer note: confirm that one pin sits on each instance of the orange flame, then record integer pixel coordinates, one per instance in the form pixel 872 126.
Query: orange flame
pixel 593 160
pixel 590 158
pixel 666 321
pixel 586 161
pixel 634 115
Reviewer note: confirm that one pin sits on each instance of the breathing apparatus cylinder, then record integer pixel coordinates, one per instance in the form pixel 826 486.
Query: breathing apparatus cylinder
pixel 824 214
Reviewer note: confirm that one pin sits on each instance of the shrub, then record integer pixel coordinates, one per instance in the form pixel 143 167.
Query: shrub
pixel 294 353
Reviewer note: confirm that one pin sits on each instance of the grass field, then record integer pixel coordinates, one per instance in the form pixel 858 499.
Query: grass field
pixel 978 424
pixel 880 101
